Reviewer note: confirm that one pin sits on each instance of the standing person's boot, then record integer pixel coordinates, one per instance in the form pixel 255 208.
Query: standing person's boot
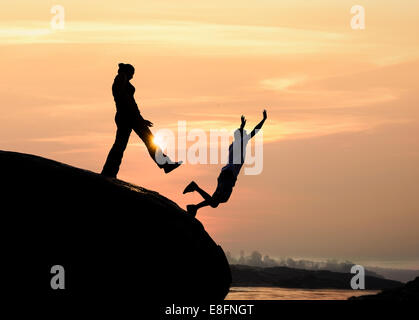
pixel 169 167
pixel 105 174
pixel 111 168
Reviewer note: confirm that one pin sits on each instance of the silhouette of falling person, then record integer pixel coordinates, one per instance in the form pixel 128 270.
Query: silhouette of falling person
pixel 229 173
pixel 128 118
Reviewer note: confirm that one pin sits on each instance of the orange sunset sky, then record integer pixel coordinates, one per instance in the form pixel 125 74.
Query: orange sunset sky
pixel 341 153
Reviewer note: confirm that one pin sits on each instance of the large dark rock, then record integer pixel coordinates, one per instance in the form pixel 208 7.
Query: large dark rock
pixel 114 239
pixel 408 292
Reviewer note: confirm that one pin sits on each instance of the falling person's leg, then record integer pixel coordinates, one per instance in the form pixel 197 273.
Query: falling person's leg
pixel 193 208
pixel 208 199
pixel 194 187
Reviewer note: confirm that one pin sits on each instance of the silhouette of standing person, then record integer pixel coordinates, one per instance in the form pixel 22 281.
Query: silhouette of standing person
pixel 128 118
pixel 229 173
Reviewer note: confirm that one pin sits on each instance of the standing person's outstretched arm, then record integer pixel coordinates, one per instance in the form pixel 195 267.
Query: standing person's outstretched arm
pixel 259 125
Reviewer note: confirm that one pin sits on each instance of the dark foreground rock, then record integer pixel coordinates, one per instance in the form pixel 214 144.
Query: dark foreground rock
pixel 247 276
pixel 408 292
pixel 115 240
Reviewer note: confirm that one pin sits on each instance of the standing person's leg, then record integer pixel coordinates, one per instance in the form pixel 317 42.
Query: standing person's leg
pixel 113 161
pixel 155 152
pixel 146 135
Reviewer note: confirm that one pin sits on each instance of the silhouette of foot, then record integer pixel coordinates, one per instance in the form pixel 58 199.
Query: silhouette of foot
pixel 108 175
pixel 191 208
pixel 169 167
pixel 190 187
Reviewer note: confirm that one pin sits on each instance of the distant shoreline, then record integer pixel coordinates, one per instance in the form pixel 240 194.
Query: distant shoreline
pixel 284 277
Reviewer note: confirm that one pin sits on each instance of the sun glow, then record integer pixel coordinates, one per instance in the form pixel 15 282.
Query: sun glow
pixel 160 141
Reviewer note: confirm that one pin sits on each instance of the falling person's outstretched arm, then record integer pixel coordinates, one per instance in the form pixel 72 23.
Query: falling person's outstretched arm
pixel 259 125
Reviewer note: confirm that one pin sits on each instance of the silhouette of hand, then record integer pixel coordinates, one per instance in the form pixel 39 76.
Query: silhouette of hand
pixel 264 115
pixel 148 123
pixel 243 119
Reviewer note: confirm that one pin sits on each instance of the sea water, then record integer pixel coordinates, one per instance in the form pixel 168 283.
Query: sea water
pixel 275 293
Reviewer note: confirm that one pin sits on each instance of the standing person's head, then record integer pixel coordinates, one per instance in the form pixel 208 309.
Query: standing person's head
pixel 127 70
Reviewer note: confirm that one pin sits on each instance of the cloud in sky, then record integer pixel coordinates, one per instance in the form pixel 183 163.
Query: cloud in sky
pixel 180 35
pixel 282 84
